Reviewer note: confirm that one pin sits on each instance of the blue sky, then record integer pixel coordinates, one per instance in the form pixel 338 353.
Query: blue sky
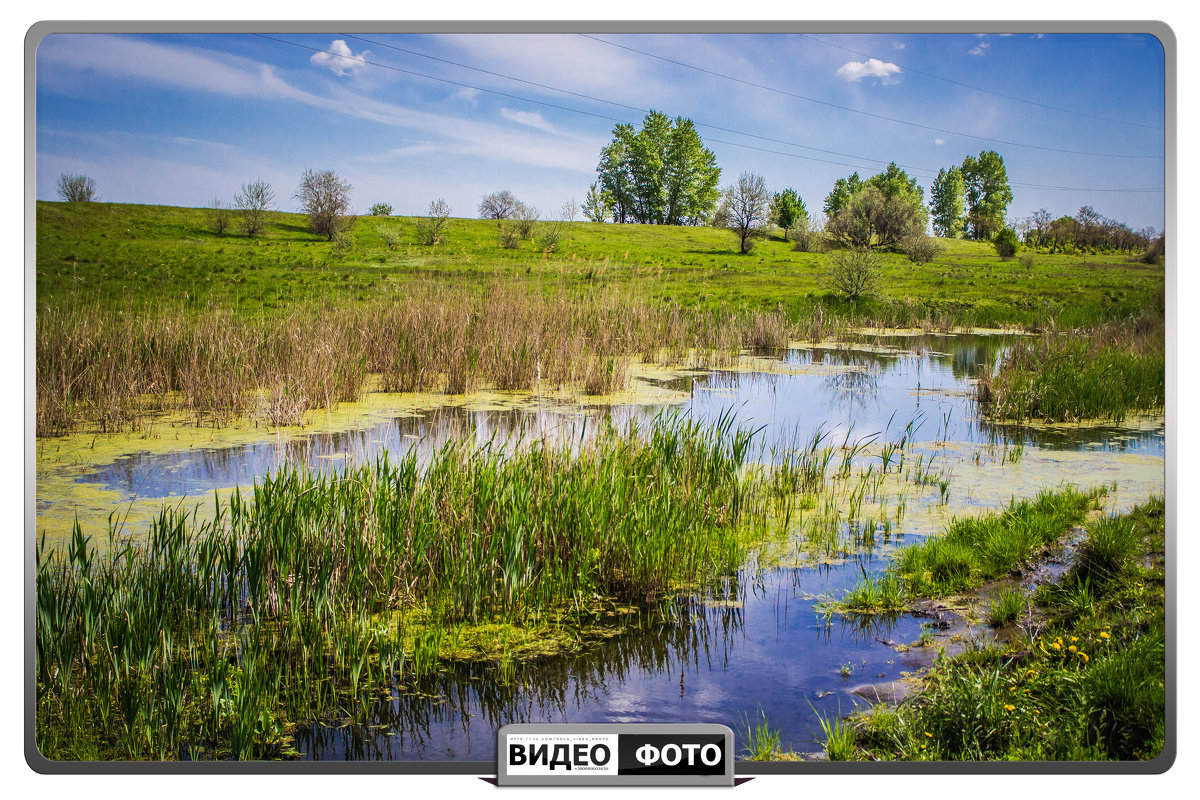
pixel 181 119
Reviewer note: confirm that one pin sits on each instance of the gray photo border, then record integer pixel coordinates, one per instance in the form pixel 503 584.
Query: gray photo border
pixel 1160 30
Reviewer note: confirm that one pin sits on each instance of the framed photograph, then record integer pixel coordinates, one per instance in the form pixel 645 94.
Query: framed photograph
pixel 395 383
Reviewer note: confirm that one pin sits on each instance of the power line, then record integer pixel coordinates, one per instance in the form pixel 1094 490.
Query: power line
pixel 698 123
pixel 873 115
pixel 362 60
pixel 974 88
pixel 393 68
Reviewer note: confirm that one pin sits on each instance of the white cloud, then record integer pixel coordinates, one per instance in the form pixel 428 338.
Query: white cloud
pixel 899 45
pixel 467 95
pixel 885 71
pixel 939 141
pixel 1039 35
pixel 980 49
pixel 531 118
pixel 341 60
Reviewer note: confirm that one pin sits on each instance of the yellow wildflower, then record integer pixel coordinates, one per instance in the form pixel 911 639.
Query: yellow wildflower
pixel 930 735
pixel 1072 649
pixel 1103 635
pixel 1084 656
pixel 1009 707
pixel 1074 638
pixel 1056 645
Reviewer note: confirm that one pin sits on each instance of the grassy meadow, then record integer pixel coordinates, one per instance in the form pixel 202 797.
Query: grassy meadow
pixel 129 255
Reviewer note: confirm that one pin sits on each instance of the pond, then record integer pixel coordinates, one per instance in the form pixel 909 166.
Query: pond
pixel 761 645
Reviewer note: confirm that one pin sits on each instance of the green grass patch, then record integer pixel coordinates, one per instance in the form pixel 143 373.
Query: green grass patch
pixel 1086 685
pixel 142 256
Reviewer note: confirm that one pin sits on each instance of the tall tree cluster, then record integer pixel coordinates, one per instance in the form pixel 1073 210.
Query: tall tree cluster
pixel 661 174
pixel 971 199
pixel 877 212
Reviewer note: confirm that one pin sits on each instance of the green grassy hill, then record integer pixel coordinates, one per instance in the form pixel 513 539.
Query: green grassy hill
pixel 127 255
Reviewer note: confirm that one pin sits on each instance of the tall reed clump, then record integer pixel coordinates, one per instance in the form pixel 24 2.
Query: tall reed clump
pixel 298 601
pixel 1104 373
pixel 112 369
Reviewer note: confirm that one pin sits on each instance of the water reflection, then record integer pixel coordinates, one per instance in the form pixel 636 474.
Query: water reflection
pixel 764 642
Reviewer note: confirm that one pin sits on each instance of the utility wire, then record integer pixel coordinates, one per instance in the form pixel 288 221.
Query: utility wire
pixel 786 93
pixel 974 88
pixel 638 109
pixel 393 68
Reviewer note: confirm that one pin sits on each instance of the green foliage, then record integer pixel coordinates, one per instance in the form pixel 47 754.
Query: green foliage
pixel 1005 607
pixel 977 549
pixel 659 175
pixel 853 273
pixel 1090 686
pixel 597 205
pixel 1006 243
pixel 787 210
pixel 921 249
pixel 762 741
pixel 946 203
pixel 872 219
pixel 1070 379
pixel 381 210
pixel 987 193
pixel 843 190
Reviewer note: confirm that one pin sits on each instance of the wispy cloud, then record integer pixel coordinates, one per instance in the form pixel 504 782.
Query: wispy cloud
pixel 939 142
pixel 341 60
pixel 467 95
pixel 899 45
pixel 980 49
pixel 531 118
pixel 884 71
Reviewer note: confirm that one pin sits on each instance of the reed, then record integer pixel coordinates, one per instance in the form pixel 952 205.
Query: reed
pixel 1105 372
pixel 301 599
pixel 113 369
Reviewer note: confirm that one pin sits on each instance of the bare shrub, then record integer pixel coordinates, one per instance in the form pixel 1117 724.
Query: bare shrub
pixel 325 198
pixel 921 249
pixel 744 210
pixel 253 202
pixel 853 273
pixel 498 205
pixel 432 227
pixel 218 216
pixel 76 188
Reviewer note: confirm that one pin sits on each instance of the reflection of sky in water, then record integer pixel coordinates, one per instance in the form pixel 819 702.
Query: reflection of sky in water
pixel 717 664
pixel 850 394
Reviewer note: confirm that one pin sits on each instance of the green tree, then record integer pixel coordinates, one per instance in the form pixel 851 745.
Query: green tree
pixel 787 209
pixel 987 193
pixel 843 190
pixel 946 203
pixel 661 174
pixel 598 205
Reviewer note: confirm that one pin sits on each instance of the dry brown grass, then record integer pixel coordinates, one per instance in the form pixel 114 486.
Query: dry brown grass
pixel 111 370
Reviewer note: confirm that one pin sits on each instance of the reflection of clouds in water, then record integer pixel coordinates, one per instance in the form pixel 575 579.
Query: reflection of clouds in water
pixel 710 664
